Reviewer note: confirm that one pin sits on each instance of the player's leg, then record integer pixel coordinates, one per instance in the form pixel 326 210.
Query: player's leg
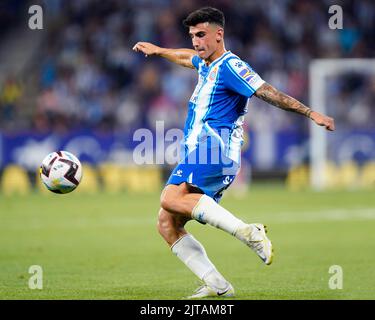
pixel 179 199
pixel 200 207
pixel 253 235
pixel 203 208
pixel 192 254
pixel 171 227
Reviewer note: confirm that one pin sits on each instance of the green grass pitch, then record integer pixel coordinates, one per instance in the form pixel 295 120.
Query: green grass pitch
pixel 106 246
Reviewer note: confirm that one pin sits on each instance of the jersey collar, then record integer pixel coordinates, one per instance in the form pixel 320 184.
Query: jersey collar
pixel 218 59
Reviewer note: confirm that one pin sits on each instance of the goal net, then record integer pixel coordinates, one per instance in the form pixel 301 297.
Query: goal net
pixel 345 90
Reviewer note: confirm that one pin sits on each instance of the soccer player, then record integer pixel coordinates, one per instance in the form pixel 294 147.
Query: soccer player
pixel 214 126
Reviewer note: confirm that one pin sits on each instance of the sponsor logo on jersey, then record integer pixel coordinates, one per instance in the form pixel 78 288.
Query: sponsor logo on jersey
pixel 194 96
pixel 178 173
pixel 238 64
pixel 247 74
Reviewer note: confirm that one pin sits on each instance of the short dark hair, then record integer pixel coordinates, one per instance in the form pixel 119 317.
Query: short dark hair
pixel 206 14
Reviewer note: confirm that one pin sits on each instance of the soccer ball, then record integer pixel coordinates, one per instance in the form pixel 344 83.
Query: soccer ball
pixel 61 172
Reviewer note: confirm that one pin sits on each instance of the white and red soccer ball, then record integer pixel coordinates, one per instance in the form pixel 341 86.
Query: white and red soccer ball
pixel 61 172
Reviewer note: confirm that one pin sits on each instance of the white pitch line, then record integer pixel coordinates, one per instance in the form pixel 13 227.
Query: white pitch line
pixel 322 215
pixel 360 214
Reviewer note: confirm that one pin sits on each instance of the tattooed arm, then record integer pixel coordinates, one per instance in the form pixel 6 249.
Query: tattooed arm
pixel 281 100
pixel 181 57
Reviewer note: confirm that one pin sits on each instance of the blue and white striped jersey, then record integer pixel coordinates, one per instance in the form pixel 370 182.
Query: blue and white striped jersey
pixel 219 103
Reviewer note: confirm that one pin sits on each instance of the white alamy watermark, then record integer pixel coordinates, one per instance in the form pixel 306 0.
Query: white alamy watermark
pixel 157 147
pixel 172 147
pixel 36 18
pixel 36 280
pixel 336 281
pixel 336 21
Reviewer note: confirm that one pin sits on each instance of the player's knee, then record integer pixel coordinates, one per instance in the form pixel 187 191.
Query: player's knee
pixel 170 199
pixel 168 202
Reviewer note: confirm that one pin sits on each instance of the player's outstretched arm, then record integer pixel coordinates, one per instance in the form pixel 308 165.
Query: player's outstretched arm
pixel 181 57
pixel 281 100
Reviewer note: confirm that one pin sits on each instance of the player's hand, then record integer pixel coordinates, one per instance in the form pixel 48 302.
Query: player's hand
pixel 147 48
pixel 322 120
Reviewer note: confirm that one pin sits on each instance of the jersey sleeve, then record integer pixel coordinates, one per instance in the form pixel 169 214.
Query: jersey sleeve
pixel 241 78
pixel 195 61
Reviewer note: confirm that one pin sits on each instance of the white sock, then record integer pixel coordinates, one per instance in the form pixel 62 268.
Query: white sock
pixel 207 210
pixel 193 255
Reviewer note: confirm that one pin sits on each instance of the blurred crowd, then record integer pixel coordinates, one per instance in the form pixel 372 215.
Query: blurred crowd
pixel 89 77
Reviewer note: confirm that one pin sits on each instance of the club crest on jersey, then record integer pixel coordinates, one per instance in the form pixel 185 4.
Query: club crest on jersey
pixel 212 74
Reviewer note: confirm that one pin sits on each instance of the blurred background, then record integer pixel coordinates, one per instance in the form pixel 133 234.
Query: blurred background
pixel 76 85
